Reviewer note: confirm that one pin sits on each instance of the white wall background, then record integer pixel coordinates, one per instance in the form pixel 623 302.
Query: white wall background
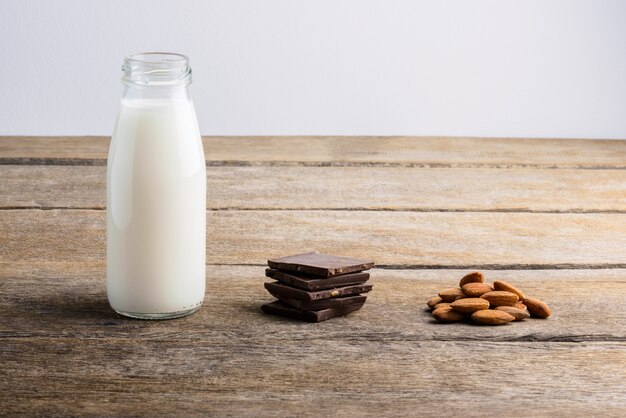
pixel 278 67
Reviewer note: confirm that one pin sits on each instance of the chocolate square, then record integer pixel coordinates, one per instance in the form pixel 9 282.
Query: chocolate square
pixel 283 291
pixel 308 282
pixel 316 305
pixel 321 265
pixel 280 309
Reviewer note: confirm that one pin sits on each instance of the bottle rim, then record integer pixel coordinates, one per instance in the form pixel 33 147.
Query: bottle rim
pixel 156 69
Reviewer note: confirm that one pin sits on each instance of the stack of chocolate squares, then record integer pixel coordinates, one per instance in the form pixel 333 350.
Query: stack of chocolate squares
pixel 315 287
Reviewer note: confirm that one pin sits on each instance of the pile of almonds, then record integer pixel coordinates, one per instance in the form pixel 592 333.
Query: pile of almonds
pixel 487 304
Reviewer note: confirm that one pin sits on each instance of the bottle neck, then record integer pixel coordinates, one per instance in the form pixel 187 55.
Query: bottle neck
pixel 133 92
pixel 156 75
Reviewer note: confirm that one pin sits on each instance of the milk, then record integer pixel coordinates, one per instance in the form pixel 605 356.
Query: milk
pixel 156 209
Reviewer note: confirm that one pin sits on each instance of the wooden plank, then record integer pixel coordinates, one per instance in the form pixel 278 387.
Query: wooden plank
pixel 63 351
pixel 429 151
pixel 54 300
pixel 489 240
pixel 220 376
pixel 54 149
pixel 371 188
pixel 42 186
pixel 426 151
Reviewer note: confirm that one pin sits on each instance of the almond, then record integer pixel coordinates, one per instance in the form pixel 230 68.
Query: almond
pixel 518 314
pixel 520 305
pixel 469 305
pixel 475 290
pixel 441 305
pixel 492 317
pixel 500 297
pixel 475 277
pixel 446 314
pixel 537 308
pixel 508 287
pixel 451 294
pixel 433 301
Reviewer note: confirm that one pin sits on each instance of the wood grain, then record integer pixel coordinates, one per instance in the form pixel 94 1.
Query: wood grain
pixel 223 376
pixel 420 151
pixel 65 352
pixel 408 239
pixel 368 188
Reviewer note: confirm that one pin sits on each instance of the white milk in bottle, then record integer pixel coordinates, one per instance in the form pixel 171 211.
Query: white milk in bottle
pixel 156 193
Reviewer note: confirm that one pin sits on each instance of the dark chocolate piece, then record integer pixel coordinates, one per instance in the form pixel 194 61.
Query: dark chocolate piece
pixel 316 305
pixel 283 291
pixel 280 309
pixel 307 282
pixel 321 265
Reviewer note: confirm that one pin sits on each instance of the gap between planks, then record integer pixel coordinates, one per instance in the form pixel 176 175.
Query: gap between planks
pixel 486 267
pixel 561 266
pixel 230 163
pixel 420 210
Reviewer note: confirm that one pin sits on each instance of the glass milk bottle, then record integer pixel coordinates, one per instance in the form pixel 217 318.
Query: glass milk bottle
pixel 156 193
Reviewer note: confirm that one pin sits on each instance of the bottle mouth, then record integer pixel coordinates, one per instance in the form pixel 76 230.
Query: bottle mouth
pixel 156 69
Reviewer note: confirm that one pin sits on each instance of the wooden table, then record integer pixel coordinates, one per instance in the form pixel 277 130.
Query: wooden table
pixel 549 215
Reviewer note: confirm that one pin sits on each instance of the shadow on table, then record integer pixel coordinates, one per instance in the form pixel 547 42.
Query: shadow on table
pixel 70 306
